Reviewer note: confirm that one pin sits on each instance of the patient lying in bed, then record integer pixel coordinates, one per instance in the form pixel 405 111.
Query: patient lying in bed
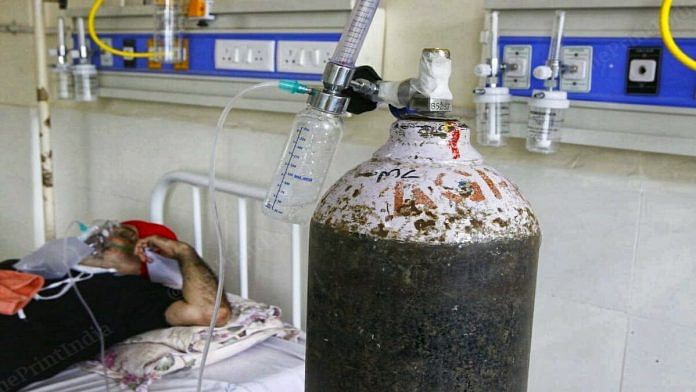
pixel 59 333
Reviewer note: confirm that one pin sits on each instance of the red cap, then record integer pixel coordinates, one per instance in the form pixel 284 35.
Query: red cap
pixel 147 229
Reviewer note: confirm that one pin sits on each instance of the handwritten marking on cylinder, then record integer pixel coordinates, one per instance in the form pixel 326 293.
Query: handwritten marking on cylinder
pixel 490 183
pixel 396 173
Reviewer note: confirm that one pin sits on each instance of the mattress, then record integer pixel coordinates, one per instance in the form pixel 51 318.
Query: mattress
pixel 274 365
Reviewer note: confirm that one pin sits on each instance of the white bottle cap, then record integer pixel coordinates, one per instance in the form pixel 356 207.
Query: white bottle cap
pixel 492 95
pixel 549 99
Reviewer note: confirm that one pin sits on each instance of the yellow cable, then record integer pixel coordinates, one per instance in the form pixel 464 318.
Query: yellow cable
pixel 668 39
pixel 93 33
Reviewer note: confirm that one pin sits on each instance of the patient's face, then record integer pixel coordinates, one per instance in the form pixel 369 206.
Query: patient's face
pixel 118 251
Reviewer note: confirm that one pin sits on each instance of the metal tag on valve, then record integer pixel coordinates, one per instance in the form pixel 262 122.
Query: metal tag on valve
pixel 426 104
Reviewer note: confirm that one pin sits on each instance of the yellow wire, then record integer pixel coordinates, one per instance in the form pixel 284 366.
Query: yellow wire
pixel 668 39
pixel 93 33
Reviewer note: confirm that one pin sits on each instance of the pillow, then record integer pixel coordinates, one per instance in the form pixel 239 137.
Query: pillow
pixel 142 359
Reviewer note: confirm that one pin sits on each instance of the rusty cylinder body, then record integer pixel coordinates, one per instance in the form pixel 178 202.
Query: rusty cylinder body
pixel 422 271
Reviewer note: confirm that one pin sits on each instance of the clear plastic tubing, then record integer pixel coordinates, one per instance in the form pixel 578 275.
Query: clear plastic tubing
pixel 354 34
pixel 303 167
pixel 168 30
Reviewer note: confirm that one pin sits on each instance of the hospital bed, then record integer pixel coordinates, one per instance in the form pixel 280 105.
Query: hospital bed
pixel 274 365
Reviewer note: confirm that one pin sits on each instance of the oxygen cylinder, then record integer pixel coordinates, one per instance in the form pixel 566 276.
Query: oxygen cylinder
pixel 422 271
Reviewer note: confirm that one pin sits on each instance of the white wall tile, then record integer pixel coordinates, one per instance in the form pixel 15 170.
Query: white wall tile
pixel 665 271
pixel 16 217
pixel 660 357
pixel 575 347
pixel 588 234
pixel 15 142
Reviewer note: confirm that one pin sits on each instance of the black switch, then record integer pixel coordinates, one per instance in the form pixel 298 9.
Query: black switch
pixel 643 74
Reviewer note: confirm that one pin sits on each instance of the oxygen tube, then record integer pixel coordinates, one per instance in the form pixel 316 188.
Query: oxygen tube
pixel 322 118
pixel 97 327
pixel 289 86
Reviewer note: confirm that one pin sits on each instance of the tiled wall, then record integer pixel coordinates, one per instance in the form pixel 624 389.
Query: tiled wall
pixel 616 303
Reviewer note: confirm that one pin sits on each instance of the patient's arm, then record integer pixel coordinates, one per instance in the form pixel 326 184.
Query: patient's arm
pixel 200 284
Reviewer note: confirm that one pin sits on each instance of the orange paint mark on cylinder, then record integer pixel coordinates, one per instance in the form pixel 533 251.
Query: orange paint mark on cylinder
pixel 398 197
pixel 452 196
pixel 478 194
pixel 422 198
pixel 491 184
pixel 438 180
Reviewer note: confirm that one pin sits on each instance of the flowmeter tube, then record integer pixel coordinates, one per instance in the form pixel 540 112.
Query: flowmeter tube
pixel 354 34
pixel 62 71
pixel 492 102
pixel 547 107
pixel 167 37
pixel 84 73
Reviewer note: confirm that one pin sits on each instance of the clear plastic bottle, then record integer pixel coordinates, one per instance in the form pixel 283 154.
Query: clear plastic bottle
pixel 546 116
pixel 86 84
pixel 63 81
pixel 298 181
pixel 492 116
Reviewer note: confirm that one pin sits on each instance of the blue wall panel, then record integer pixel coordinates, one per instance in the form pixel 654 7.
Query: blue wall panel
pixel 677 85
pixel 202 54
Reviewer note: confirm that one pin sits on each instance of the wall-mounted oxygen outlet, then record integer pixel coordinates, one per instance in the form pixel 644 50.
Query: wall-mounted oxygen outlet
pixel 577 73
pixel 129 46
pixel 518 63
pixel 643 73
pixel 106 59
pixel 245 55
pixel 304 56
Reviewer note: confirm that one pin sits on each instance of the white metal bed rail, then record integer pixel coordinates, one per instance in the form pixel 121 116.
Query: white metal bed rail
pixel 243 192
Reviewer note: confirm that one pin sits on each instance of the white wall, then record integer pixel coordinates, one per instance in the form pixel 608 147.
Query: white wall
pixel 616 307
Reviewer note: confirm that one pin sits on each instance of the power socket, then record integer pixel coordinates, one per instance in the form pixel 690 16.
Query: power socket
pixel 245 55
pixel 309 57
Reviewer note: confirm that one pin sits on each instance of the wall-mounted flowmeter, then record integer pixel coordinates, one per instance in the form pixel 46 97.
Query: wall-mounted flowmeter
pixel 626 89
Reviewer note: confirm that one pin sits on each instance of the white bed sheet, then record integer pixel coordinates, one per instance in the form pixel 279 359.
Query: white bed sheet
pixel 275 365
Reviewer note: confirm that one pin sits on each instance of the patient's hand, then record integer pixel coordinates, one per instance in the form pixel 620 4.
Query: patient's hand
pixel 117 255
pixel 163 246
